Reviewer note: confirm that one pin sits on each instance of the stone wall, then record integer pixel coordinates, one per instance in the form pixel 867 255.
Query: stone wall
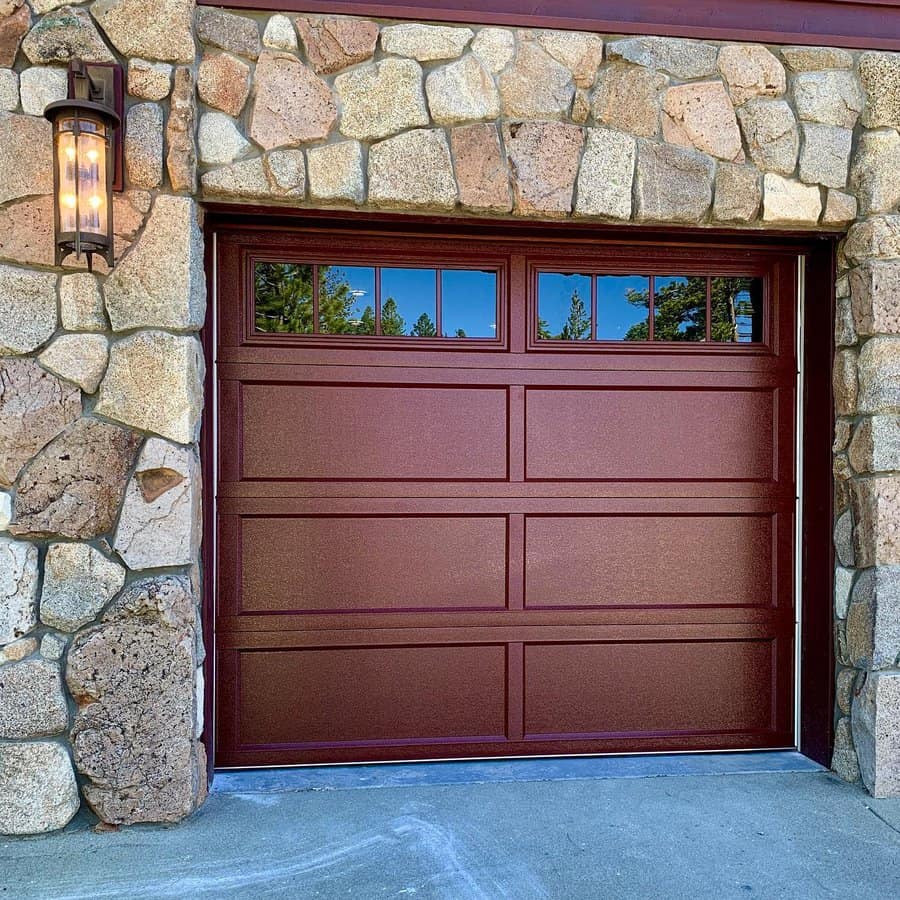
pixel 101 374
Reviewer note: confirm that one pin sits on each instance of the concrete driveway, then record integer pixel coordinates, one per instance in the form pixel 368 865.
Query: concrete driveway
pixel 535 832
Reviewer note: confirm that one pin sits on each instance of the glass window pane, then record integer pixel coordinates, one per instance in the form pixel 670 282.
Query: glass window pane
pixel 409 302
pixel 623 303
pixel 346 300
pixel 468 303
pixel 284 297
pixel 737 310
pixel 564 306
pixel 679 308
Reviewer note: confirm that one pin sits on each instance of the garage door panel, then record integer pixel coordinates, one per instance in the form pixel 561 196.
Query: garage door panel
pixel 649 560
pixel 650 434
pixel 360 563
pixel 309 431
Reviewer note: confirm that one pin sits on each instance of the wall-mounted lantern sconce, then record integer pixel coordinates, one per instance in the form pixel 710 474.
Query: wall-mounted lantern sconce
pixel 86 156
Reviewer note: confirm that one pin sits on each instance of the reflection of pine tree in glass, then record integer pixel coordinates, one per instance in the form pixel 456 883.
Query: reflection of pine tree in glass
pixel 460 332
pixel 366 323
pixel 736 309
pixel 391 320
pixel 424 327
pixel 578 323
pixel 544 330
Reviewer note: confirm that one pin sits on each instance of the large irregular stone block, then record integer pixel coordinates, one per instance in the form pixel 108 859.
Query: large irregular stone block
pixel 701 116
pixel 219 140
pixel 825 154
pixel 132 679
pixel 231 32
pixel 286 171
pixel 333 43
pixel 832 98
pixel 412 170
pixel 74 487
pixel 876 733
pixel 161 281
pixel 9 89
pixel 462 91
pixel 844 382
pixel 28 313
pixel 223 81
pixel 160 520
pixel 279 34
pixel 879 375
pixel 606 175
pixel 875 446
pixel 40 86
pixel 681 58
pixel 18 650
pixel 336 172
pixel 181 159
pixel 843 584
pixel 751 71
pixel 144 145
pixel 535 86
pixel 13 28
pixel 35 406
pixel 38 792
pixel 875 238
pixel 875 171
pixel 425 42
pixel 844 329
pixel 843 539
pixel 18 589
pixel 773 138
pixel 32 703
pixel 150 29
pixel 876 509
pixel 64 34
pixel 78 582
pixel 26 232
pixel 26 156
pixel 579 51
pixel 875 288
pixel 873 619
pixel 292 104
pixel 245 180
pixel 672 184
pixel 628 98
pixel 482 171
pixel 843 760
pixel 840 208
pixel 544 158
pixel 81 303
pixel 786 201
pixel 816 59
pixel 880 77
pixel 381 99
pixel 495 47
pixel 149 80
pixel 738 193
pixel 155 382
pixel 80 358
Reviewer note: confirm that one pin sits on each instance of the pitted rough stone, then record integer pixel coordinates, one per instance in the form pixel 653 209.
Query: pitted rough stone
pixel 580 52
pixel 246 179
pixel 333 43
pixel 494 47
pixel 606 175
pixel 35 407
pixel 155 382
pixel 381 99
pixel 876 733
pixel 701 116
pixel 159 524
pixel 544 159
pixel 880 77
pixel 844 382
pixel 876 445
pixel 772 134
pixel 412 170
pixel 681 58
pixel 219 140
pixel 13 28
pixel 843 584
pixel 27 309
pixel 181 161
pixel 844 330
pixel 873 619
pixel 844 694
pixel 26 232
pixel 292 104
pixel 628 98
pixel 9 90
pixel 132 679
pixel 5 511
pixel 462 91
pixel 482 172
pixel 26 159
pixel 32 703
pixel 672 184
pixel 879 375
pixel 161 282
pixel 38 792
pixel 875 171
pixel 53 646
pixel 40 85
pixel 74 486
pixel 336 172
pixel 81 303
pixel 843 539
pixel 231 32
pixel 425 42
pixel 875 238
pixel 535 86
pixel 825 154
pixel 279 34
pixel 785 201
pixel 151 29
pixel 843 760
pixel 65 34
pixel 840 208
pixel 286 172
pixel 751 71
pixel 149 80
pixel 738 193
pixel 876 511
pixel 144 145
pixel 875 288
pixel 223 81
pixel 815 59
pixel 79 358
pixel 18 589
pixel 832 98
pixel 18 650
pixel 581 106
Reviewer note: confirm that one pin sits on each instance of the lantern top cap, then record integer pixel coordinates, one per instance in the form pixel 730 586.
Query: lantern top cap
pixel 72 106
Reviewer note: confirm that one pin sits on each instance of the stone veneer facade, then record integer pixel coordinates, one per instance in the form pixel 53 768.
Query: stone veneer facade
pixel 101 376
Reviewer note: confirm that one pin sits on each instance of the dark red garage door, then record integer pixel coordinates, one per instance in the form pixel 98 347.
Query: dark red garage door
pixel 484 497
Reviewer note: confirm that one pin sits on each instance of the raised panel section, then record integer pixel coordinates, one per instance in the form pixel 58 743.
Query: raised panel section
pixel 649 688
pixel 371 694
pixel 595 561
pixel 650 434
pixel 349 563
pixel 362 432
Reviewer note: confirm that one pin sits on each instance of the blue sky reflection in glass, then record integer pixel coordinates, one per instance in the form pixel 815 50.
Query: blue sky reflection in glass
pixel 414 291
pixel 617 318
pixel 360 280
pixel 468 303
pixel 564 306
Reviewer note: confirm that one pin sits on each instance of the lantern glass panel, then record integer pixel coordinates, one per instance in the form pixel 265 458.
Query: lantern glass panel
pixel 67 161
pixel 92 178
